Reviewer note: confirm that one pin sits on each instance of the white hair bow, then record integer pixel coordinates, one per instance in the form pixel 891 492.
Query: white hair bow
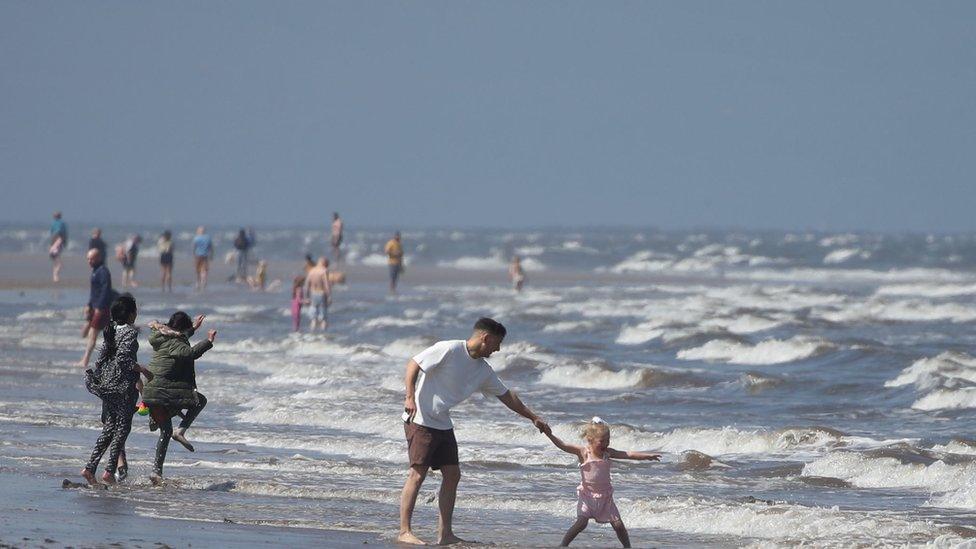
pixel 598 420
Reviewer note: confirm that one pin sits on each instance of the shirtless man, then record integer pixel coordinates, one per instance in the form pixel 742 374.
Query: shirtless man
pixel 336 237
pixel 394 259
pixel 319 293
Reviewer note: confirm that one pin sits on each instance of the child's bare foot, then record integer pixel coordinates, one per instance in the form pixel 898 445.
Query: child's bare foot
pixel 108 478
pixel 450 539
pixel 156 480
pixel 89 477
pixel 178 437
pixel 408 537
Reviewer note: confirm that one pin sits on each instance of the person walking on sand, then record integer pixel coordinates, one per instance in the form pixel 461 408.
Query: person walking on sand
pixel 336 238
pixel 113 380
pixel 174 387
pixel 437 379
pixel 59 239
pixel 595 491
pixel 165 247
pixel 318 292
pixel 516 273
pixel 394 259
pixel 100 298
pixel 202 252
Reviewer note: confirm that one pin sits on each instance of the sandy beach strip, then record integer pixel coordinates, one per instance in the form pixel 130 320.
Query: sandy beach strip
pixel 36 511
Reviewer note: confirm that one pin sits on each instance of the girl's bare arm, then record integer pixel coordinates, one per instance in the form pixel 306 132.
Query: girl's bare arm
pixel 627 454
pixel 568 448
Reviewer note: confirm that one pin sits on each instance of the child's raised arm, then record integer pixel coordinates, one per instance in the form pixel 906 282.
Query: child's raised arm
pixel 626 454
pixel 568 448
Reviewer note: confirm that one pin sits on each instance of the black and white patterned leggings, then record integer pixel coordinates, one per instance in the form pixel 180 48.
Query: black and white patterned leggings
pixel 116 425
pixel 166 432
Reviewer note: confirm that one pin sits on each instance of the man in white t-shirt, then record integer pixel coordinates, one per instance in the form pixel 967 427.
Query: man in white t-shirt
pixel 439 378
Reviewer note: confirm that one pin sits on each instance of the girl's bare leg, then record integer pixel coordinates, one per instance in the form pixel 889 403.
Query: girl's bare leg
pixel 574 530
pixel 621 530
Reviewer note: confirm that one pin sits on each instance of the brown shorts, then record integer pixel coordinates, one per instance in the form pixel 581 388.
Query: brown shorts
pixel 201 262
pixel 428 447
pixel 99 318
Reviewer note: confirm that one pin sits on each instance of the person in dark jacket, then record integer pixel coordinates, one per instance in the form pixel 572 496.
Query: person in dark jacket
pixel 100 299
pixel 113 380
pixel 174 386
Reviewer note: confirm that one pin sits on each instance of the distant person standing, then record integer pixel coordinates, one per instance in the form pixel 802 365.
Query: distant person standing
pixel 516 273
pixel 318 292
pixel 297 300
pixel 130 253
pixel 59 239
pixel 336 237
pixel 242 243
pixel 394 259
pixel 165 247
pixel 99 300
pixel 96 242
pixel 202 252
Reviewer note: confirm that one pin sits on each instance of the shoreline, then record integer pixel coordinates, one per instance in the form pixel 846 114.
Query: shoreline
pixel 39 511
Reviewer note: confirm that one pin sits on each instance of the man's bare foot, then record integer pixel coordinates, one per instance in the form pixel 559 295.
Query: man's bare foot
pixel 108 478
pixel 89 477
pixel 450 539
pixel 408 537
pixel 182 440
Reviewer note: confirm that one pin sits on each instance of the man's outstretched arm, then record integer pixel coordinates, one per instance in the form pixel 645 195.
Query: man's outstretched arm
pixel 515 404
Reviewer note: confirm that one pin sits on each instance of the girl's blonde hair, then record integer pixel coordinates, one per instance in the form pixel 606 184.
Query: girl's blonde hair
pixel 595 430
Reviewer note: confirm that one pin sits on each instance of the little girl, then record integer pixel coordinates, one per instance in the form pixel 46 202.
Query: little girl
pixel 297 299
pixel 595 491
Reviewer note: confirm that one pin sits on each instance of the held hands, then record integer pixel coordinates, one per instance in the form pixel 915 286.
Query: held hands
pixel 542 426
pixel 212 334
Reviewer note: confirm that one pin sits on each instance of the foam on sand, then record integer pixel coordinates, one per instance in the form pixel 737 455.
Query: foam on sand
pixel 771 351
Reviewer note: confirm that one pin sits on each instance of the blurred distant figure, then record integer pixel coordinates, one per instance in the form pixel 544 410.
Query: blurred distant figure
pixel 318 294
pixel 242 243
pixel 202 252
pixel 309 263
pixel 128 256
pixel 165 246
pixel 59 239
pixel 99 300
pixel 516 273
pixel 96 242
pixel 260 279
pixel 297 300
pixel 394 259
pixel 336 238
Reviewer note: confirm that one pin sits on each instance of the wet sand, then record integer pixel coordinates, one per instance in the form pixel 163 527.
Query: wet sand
pixel 36 511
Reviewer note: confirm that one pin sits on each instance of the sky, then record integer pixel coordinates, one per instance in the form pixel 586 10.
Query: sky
pixel 830 115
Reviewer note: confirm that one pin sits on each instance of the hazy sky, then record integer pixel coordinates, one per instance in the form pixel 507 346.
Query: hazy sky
pixel 798 115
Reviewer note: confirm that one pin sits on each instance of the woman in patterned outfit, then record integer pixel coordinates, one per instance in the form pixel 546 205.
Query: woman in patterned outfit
pixel 113 379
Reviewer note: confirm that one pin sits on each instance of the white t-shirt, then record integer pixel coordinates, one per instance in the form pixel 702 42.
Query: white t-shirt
pixel 448 375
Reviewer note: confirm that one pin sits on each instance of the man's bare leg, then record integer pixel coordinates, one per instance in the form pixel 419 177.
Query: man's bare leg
pixel 89 347
pixel 408 499
pixel 622 535
pixel 56 273
pixel 451 475
pixel 573 531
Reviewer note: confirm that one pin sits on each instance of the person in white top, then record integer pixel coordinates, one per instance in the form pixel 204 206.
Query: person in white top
pixel 440 377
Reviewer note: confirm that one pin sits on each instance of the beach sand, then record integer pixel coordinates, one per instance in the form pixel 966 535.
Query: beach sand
pixel 42 513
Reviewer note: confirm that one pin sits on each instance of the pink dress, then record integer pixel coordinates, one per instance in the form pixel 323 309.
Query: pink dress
pixel 595 491
pixel 297 298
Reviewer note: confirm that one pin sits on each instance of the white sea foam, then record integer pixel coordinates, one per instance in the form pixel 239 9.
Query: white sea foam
pixel 925 371
pixel 845 254
pixel 592 376
pixel 926 290
pixel 493 263
pixel 901 311
pixel 887 472
pixel 771 351
pixel 640 334
pixel 947 399
pixel 569 326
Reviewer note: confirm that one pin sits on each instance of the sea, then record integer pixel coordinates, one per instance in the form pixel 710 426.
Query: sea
pixel 803 387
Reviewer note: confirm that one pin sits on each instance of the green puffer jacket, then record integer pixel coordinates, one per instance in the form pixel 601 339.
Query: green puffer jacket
pixel 174 377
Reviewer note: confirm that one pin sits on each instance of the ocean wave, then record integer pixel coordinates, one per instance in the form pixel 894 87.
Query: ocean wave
pixel 593 376
pixel 927 290
pixel 947 399
pixel 771 351
pixel 925 372
pixel 569 326
pixel 845 254
pixel 864 471
pixel 901 311
pixel 493 263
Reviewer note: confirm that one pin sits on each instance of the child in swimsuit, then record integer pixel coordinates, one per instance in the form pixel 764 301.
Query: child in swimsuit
pixel 595 491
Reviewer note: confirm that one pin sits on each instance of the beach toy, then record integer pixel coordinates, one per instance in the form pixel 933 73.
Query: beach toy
pixel 142 410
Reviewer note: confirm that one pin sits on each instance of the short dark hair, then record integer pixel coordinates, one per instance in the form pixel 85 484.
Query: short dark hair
pixel 491 326
pixel 180 321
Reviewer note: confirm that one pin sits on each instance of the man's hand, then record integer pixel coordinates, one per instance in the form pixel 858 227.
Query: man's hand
pixel 211 335
pixel 410 406
pixel 542 426
pixel 198 321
